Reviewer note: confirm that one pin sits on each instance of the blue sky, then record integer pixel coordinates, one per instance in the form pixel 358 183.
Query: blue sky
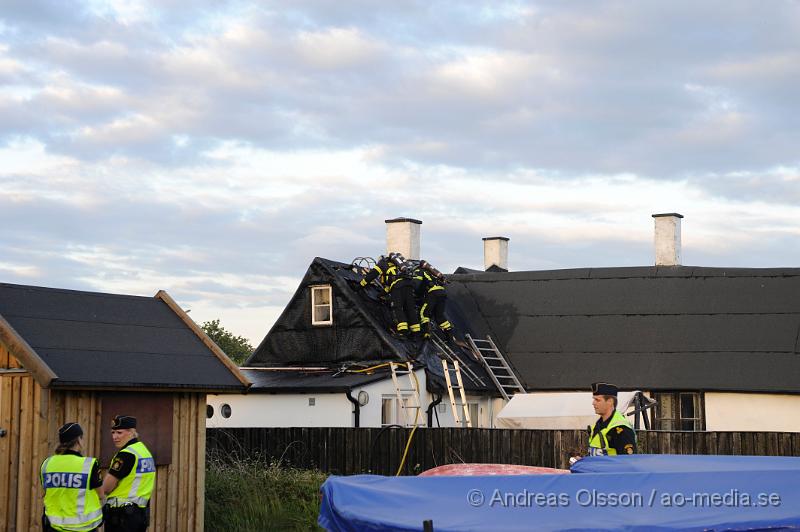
pixel 213 149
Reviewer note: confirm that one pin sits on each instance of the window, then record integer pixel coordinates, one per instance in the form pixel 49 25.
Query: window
pixel 474 416
pixel 209 411
pixel 679 411
pixel 225 410
pixel 388 411
pixel 392 414
pixel 321 305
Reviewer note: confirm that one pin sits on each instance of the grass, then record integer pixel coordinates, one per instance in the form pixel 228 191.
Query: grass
pixel 252 495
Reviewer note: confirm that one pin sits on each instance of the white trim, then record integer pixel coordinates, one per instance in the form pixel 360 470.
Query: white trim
pixel 315 289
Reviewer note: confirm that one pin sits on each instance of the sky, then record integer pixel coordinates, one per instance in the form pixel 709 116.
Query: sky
pixel 213 148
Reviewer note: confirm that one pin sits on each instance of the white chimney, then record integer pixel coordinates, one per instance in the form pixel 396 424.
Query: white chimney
pixel 403 236
pixel 668 239
pixel 495 252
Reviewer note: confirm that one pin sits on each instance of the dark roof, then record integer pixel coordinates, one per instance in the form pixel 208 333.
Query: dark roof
pixel 93 340
pixel 308 381
pixel 657 328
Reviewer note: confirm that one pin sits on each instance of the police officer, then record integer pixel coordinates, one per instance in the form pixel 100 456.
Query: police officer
pixel 130 480
pixel 396 281
pixel 71 485
pixel 612 434
pixel 431 287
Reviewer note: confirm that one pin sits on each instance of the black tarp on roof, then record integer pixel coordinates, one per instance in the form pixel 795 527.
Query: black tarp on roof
pixel 91 339
pixel 668 328
pixel 360 331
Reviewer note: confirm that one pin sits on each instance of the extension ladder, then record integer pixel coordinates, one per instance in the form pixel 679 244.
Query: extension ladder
pixel 408 400
pixel 453 357
pixel 496 366
pixel 449 372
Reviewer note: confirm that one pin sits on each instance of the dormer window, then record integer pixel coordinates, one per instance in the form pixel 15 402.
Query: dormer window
pixel 321 305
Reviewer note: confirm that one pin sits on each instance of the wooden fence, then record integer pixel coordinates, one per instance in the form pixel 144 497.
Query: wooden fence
pixel 346 451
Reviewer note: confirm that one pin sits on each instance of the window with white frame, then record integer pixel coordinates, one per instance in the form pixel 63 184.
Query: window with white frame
pixel 321 305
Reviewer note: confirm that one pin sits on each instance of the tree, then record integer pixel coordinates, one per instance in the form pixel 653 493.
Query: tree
pixel 237 348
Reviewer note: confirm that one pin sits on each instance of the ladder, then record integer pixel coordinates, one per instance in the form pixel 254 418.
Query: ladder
pixel 453 357
pixel 496 366
pixel 449 372
pixel 409 405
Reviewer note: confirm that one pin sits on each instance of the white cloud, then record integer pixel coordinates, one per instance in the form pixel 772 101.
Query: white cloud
pixel 337 48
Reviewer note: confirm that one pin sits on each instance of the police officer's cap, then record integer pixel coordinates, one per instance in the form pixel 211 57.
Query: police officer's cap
pixel 123 422
pixel 69 432
pixel 604 388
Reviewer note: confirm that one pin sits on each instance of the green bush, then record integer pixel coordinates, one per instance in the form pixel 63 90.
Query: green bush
pixel 252 495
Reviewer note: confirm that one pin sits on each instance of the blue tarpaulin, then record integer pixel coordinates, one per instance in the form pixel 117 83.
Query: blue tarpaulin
pixel 666 463
pixel 694 493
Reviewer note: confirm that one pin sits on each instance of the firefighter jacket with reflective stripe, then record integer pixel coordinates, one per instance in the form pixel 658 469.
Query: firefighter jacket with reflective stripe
pixel 137 487
pixel 598 441
pixel 69 501
pixel 389 273
pixel 427 282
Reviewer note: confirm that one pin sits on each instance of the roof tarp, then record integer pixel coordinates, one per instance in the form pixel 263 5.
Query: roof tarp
pixel 701 497
pixel 554 411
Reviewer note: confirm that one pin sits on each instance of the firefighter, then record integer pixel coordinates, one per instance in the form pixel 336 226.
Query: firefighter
pixel 431 286
pixel 396 281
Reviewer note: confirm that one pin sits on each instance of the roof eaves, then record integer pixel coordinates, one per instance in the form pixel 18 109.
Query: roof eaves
pixel 145 386
pixel 26 355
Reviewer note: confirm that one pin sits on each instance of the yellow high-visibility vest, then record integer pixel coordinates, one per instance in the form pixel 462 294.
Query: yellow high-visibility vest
pixel 69 501
pixel 598 442
pixel 137 487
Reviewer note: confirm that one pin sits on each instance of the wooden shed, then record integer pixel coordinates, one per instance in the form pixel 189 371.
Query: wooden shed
pixel 80 356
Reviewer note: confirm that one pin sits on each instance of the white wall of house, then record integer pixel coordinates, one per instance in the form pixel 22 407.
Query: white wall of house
pixel 752 412
pixel 281 410
pixel 335 410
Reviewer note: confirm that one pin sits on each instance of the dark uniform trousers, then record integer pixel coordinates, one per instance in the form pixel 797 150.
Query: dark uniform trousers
pixel 435 302
pixel 404 307
pixel 128 518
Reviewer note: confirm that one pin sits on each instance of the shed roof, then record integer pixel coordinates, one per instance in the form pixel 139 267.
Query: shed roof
pixel 659 328
pixel 69 338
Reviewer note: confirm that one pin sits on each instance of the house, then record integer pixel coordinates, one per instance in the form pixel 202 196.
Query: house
pixel 717 348
pixel 68 355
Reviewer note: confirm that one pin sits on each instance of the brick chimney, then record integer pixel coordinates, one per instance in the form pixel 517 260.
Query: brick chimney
pixel 495 252
pixel 668 239
pixel 403 236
